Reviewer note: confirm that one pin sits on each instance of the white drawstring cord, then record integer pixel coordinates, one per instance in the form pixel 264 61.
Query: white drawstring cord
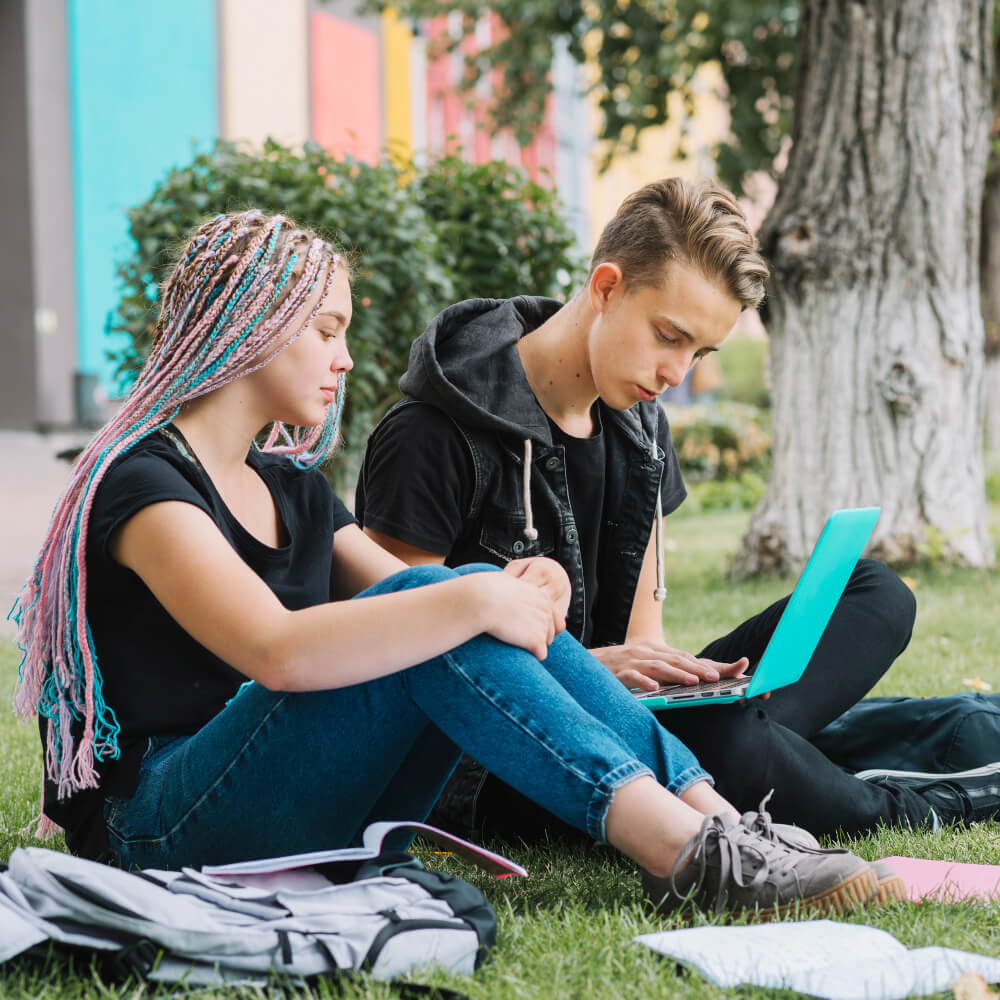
pixel 529 518
pixel 660 593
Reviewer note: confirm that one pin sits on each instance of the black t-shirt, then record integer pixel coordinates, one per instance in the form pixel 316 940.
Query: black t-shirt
pixel 156 678
pixel 419 481
pixel 585 474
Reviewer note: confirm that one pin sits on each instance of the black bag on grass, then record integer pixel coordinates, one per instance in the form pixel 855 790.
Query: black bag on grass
pixel 956 732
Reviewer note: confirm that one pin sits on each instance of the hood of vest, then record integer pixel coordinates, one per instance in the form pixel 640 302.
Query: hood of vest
pixel 466 363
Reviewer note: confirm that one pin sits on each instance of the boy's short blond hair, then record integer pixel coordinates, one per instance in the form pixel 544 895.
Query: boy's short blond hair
pixel 698 223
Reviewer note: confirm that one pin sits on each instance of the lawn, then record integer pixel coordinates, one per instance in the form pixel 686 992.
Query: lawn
pixel 566 932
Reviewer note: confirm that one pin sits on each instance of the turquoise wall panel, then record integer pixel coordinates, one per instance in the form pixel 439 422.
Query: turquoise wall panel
pixel 143 88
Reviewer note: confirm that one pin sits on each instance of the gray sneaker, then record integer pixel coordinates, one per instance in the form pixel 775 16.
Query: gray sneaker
pixel 891 888
pixel 727 867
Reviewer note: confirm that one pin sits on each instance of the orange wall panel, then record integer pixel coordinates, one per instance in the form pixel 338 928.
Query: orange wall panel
pixel 345 87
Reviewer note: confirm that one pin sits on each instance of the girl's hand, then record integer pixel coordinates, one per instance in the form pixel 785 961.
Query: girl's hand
pixel 550 577
pixel 513 610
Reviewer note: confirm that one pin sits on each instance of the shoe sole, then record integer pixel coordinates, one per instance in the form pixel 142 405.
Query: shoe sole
pixel 976 772
pixel 891 889
pixel 853 892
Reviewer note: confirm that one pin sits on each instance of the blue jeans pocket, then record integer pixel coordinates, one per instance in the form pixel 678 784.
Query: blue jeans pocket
pixel 135 818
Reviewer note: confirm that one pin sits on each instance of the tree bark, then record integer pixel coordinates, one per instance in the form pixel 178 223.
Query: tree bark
pixel 874 313
pixel 991 307
pixel 989 271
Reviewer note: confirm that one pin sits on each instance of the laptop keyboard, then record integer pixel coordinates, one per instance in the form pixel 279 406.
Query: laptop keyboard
pixel 703 688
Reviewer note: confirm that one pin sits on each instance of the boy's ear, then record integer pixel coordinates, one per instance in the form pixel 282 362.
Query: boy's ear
pixel 605 280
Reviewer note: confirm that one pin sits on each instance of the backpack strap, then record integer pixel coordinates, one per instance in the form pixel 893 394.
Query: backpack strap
pixel 467 903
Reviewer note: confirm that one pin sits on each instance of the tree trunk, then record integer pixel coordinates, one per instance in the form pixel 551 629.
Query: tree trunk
pixel 990 271
pixel 991 306
pixel 874 313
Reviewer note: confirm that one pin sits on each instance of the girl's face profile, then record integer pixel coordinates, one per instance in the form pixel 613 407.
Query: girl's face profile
pixel 303 380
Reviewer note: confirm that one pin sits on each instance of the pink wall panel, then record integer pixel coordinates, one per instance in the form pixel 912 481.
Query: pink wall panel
pixel 345 88
pixel 450 123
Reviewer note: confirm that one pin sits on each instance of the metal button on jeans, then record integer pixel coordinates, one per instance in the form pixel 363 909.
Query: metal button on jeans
pixel 552 463
pixel 571 535
pixel 518 547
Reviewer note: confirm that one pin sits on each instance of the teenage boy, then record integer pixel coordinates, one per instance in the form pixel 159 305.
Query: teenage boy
pixel 530 427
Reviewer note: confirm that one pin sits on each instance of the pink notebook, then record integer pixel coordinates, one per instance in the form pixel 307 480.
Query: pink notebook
pixel 947 880
pixel 372 838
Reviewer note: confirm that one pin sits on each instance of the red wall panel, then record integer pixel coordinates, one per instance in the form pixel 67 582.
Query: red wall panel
pixel 346 92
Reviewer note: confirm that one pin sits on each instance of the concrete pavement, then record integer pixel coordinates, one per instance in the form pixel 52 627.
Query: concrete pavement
pixel 31 479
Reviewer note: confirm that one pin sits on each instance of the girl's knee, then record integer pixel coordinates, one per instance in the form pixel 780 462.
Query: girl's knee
pixel 412 576
pixel 476 568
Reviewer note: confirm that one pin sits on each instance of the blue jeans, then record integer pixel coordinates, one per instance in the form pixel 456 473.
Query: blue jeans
pixel 278 773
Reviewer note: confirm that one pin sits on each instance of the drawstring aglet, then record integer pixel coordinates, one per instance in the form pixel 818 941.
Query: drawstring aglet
pixel 530 531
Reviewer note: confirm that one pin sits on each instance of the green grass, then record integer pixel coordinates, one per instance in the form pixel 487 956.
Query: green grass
pixel 566 932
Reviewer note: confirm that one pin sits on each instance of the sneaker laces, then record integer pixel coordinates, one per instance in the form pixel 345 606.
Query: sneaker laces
pixel 729 839
pixel 760 822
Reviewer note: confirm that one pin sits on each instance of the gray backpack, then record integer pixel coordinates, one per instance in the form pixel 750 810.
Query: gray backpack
pixel 386 915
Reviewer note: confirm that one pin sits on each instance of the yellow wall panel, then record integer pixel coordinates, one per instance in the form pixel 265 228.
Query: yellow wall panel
pixel 396 40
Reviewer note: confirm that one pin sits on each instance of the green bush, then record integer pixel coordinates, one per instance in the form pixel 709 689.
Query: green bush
pixel 721 443
pixel 498 229
pixel 743 360
pixel 424 237
pixel 993 485
pixel 743 493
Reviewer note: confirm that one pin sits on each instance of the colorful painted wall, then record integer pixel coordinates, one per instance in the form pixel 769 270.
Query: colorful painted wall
pixel 143 81
pixel 146 85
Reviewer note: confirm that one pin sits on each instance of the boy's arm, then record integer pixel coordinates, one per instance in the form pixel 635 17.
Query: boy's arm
pixel 415 484
pixel 410 554
pixel 645 661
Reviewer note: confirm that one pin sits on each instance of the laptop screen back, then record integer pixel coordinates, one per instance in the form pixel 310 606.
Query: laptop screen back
pixel 812 603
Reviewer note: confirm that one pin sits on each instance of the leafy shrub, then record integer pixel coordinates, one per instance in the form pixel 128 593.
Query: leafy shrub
pixel 720 443
pixel 424 237
pixel 498 229
pixel 743 493
pixel 743 360
pixel 993 485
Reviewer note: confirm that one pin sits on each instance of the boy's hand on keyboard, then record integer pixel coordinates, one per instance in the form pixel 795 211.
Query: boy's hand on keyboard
pixel 647 665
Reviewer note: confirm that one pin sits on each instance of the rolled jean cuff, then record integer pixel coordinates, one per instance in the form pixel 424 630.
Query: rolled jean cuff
pixel 605 792
pixel 688 777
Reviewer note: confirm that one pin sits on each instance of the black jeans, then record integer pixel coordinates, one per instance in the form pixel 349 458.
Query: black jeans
pixel 754 746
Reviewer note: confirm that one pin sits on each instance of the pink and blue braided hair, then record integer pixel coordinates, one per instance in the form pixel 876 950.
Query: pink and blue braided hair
pixel 228 308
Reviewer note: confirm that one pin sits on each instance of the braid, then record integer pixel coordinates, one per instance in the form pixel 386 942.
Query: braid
pixel 226 309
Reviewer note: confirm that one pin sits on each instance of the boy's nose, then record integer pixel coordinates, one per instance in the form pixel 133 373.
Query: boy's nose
pixel 673 371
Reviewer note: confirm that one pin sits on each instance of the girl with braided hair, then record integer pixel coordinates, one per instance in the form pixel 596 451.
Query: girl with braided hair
pixel 225 667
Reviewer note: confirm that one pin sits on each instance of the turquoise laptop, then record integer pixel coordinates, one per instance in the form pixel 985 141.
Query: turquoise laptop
pixel 801 625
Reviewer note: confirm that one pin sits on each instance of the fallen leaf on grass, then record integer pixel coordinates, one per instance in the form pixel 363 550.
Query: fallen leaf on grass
pixel 969 986
pixel 977 684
